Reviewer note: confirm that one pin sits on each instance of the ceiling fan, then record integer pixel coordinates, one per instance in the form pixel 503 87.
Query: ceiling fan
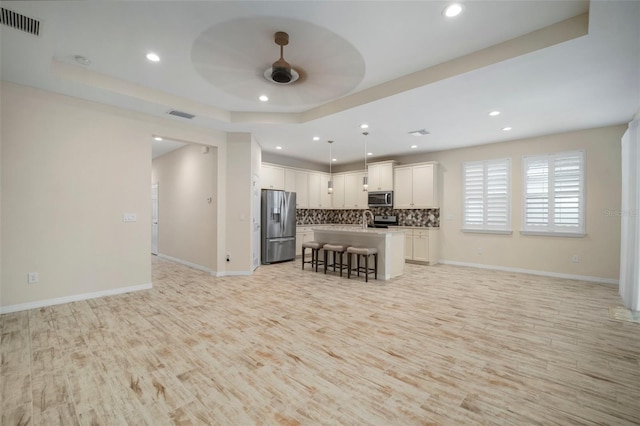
pixel 281 71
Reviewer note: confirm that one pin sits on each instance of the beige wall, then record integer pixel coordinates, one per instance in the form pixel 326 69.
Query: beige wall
pixel 243 161
pixel 186 179
pixel 599 251
pixel 68 175
pixel 69 170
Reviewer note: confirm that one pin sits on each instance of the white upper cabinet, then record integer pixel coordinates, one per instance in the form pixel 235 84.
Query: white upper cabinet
pixel 339 194
pixel 381 176
pixel 298 181
pixel 416 187
pixel 355 197
pixel 319 197
pixel 271 177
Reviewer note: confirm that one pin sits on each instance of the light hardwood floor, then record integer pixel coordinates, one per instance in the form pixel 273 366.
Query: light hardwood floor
pixel 439 345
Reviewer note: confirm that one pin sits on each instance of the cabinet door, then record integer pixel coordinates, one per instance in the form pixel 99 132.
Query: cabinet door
pixel 421 245
pixel 423 186
pixel 339 197
pixel 314 190
pixel 385 177
pixel 403 192
pixel 271 177
pixel 302 189
pixel 351 186
pixel 408 244
pixel 290 180
pixel 362 199
pixel 325 197
pixel 373 171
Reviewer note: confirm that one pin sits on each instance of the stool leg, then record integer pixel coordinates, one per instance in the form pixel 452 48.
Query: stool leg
pixel 366 268
pixel 375 262
pixel 358 263
pixel 325 261
pixel 302 257
pixel 341 253
pixel 316 252
pixel 334 261
pixel 348 265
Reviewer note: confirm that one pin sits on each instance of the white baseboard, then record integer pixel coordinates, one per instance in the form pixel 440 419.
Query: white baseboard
pixel 186 263
pixel 532 272
pixel 205 269
pixel 237 273
pixel 74 298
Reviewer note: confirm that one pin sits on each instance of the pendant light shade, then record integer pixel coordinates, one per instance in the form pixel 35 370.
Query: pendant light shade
pixel 330 183
pixel 365 179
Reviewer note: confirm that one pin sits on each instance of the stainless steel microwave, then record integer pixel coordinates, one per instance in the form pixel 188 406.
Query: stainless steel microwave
pixel 381 199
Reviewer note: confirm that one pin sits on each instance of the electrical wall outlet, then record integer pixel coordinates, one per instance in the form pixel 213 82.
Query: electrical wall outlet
pixel 32 277
pixel 575 258
pixel 228 258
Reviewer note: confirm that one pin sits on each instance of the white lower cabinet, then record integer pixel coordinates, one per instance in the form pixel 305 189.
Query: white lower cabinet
pixel 303 234
pixel 421 245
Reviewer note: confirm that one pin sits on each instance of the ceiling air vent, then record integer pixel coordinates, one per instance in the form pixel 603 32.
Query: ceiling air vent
pixel 420 132
pixel 181 114
pixel 19 22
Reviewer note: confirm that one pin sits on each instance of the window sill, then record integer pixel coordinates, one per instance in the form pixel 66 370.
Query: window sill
pixel 554 234
pixel 487 231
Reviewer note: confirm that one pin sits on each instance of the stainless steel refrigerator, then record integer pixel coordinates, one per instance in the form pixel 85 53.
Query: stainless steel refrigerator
pixel 278 226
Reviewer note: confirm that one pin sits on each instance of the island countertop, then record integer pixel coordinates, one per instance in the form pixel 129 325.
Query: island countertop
pixel 389 242
pixel 357 230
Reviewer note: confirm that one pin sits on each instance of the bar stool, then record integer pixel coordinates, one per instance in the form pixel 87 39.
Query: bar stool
pixel 335 248
pixel 365 252
pixel 315 253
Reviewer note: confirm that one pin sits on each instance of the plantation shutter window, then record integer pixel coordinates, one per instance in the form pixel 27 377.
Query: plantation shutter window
pixel 487 196
pixel 554 194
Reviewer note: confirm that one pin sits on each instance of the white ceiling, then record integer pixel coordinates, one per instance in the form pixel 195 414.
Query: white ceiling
pixel 374 62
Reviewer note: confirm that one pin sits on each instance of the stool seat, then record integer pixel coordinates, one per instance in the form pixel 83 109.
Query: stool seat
pixel 336 247
pixel 364 252
pixel 315 247
pixel 312 245
pixel 340 249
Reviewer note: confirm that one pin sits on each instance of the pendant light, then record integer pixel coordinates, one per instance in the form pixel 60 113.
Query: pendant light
pixel 330 183
pixel 365 179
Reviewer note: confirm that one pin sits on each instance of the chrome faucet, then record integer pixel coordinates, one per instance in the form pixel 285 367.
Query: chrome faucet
pixel 364 218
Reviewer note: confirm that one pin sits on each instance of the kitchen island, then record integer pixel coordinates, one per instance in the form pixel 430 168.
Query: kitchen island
pixel 389 242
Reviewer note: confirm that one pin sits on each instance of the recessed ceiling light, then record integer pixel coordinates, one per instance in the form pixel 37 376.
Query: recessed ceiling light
pixel 452 10
pixel 414 146
pixel 494 113
pixel 369 153
pixel 157 138
pixel 316 138
pixel 153 57
pixel 333 159
pixel 278 147
pixel 506 129
pixel 264 98
pixel 364 126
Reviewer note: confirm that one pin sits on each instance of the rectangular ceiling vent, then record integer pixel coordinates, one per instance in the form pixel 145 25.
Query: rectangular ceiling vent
pixel 181 114
pixel 19 22
pixel 420 132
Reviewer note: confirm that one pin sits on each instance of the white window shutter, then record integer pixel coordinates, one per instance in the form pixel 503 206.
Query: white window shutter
pixel 487 195
pixel 554 193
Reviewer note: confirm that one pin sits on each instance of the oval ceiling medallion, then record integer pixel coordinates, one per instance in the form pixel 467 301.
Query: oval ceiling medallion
pixel 234 57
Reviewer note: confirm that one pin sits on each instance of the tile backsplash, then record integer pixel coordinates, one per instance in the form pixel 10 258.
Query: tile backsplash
pixel 406 217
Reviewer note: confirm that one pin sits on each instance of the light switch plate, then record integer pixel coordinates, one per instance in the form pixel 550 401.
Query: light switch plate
pixel 129 217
